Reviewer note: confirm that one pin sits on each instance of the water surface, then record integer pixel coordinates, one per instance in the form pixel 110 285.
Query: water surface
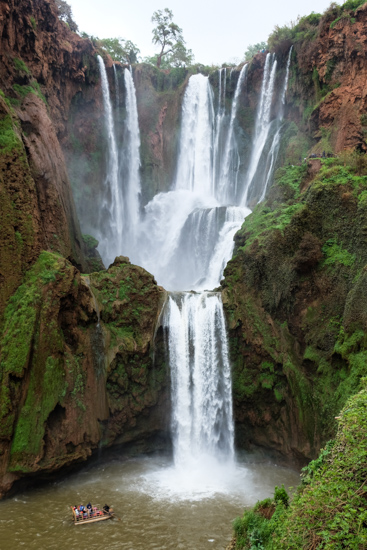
pixel 157 505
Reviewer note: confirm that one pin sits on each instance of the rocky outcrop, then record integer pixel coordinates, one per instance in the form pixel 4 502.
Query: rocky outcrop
pixel 327 96
pixel 296 327
pixel 36 52
pixel 71 383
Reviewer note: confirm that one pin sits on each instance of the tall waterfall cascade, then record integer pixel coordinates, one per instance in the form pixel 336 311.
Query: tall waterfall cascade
pixel 111 224
pixel 185 238
pixel 121 202
pixel 201 377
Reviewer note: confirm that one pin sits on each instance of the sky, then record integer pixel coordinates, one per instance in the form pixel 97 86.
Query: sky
pixel 217 31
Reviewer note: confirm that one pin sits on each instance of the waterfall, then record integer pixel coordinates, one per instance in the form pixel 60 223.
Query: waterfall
pixel 130 165
pixel 274 149
pixel 227 185
pixel 262 128
pixel 200 377
pixel 185 238
pixel 117 87
pixel 120 212
pixel 219 121
pixel 194 166
pixel 112 207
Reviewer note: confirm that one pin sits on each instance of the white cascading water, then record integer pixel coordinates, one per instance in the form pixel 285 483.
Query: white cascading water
pixel 130 165
pixel 201 378
pixel 274 149
pixel 262 127
pixel 186 239
pixel 111 235
pixel 227 186
pixel 195 157
pixel 184 229
pixel 117 87
pixel 120 212
pixel 219 121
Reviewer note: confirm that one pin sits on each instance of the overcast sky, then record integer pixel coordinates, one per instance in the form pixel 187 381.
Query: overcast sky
pixel 217 31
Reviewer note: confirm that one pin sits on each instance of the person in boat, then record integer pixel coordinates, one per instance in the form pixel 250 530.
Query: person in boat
pixel 77 513
pixel 106 509
pixel 89 509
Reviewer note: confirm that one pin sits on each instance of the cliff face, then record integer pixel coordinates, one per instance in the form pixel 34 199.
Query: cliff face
pixel 68 383
pixel 62 395
pixel 38 210
pixel 296 324
pixel 293 292
pixel 297 331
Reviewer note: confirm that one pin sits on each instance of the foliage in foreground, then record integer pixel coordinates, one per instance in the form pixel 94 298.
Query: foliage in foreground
pixel 329 510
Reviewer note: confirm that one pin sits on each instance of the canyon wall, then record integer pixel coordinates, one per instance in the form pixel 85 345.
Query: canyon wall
pixel 293 292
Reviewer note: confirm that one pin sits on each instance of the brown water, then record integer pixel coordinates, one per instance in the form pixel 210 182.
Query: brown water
pixel 158 506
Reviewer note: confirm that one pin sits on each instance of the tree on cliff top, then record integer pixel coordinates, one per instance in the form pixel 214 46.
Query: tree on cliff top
pixel 169 36
pixel 66 15
pixel 121 50
pixel 254 49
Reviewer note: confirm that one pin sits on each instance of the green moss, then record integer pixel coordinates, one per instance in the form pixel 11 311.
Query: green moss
pixel 33 22
pixel 335 254
pixel 90 241
pixel 20 66
pixel 33 88
pixel 9 139
pixel 292 177
pixel 263 221
pixel 46 387
pixel 20 315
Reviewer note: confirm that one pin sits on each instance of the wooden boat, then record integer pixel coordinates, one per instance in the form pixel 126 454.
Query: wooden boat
pixel 96 514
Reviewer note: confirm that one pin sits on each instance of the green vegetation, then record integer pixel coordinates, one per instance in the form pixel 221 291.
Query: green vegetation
pixel 33 88
pixel 46 387
pixel 33 23
pixel 305 29
pixel 90 242
pixel 24 346
pixel 9 139
pixel 21 312
pixel 335 254
pixel 66 14
pixel 264 221
pixel 124 51
pixel 168 36
pixel 254 49
pixel 21 66
pixel 329 508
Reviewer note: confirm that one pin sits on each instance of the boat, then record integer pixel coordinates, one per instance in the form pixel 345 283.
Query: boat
pixel 91 516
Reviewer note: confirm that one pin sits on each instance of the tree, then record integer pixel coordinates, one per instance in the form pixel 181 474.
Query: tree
pixel 66 15
pixel 120 49
pixel 254 49
pixel 169 36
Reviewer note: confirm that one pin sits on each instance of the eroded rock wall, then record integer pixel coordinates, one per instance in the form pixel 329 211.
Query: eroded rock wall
pixel 71 384
pixel 293 294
